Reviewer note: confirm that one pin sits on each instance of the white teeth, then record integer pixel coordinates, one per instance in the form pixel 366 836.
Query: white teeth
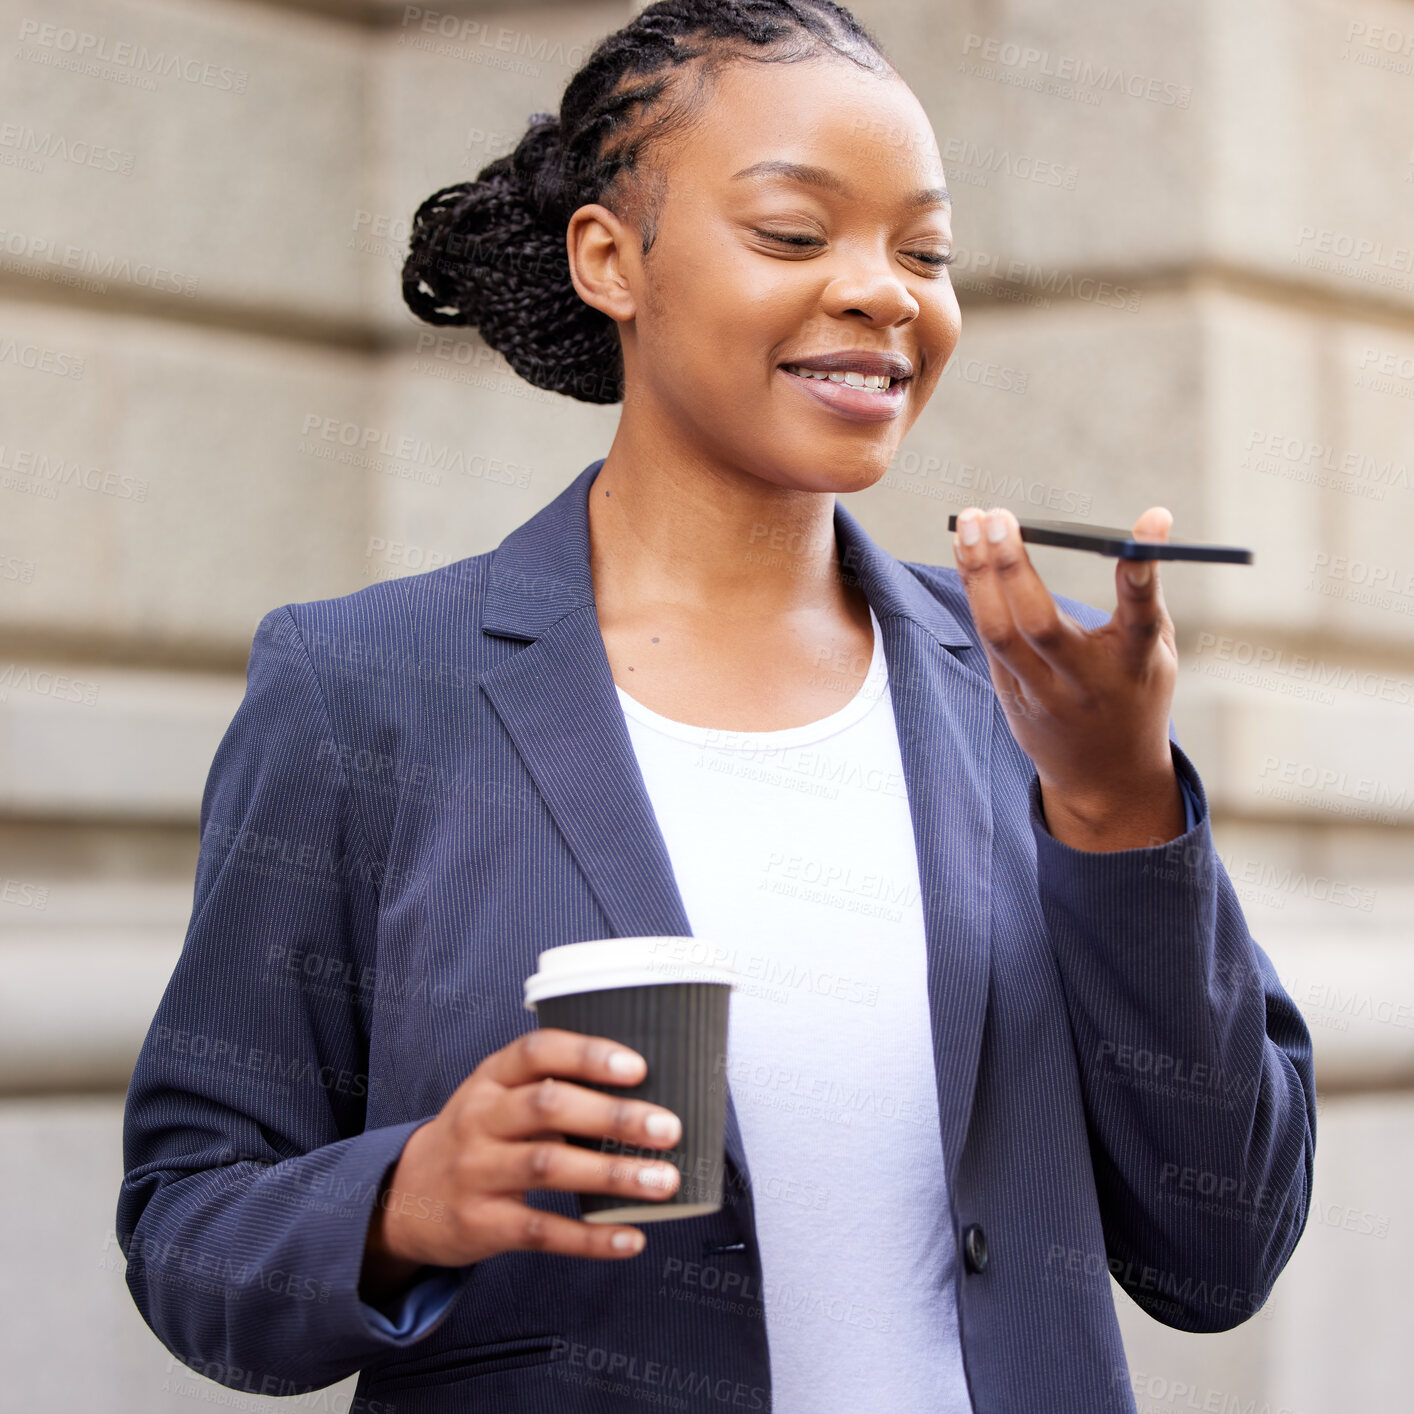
pixel 876 382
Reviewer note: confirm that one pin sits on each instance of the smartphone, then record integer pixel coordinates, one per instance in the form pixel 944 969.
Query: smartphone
pixel 1112 540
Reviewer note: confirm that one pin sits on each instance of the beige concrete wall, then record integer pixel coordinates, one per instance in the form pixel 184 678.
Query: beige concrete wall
pixel 1185 262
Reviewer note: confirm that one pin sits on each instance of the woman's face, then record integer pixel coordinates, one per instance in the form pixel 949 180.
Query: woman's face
pixel 804 229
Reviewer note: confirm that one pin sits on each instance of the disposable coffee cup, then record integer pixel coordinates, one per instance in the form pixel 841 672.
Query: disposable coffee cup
pixel 666 998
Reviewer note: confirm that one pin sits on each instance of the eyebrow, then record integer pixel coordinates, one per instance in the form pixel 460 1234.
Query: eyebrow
pixel 819 177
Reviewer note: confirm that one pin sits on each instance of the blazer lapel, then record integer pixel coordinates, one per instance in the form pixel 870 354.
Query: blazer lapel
pixel 558 701
pixel 945 712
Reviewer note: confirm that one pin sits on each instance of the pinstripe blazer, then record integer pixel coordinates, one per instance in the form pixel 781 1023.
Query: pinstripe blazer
pixel 429 781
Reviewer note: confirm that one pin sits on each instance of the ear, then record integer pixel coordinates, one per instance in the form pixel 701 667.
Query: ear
pixel 602 252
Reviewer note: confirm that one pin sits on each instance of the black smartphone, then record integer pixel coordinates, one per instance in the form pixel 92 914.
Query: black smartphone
pixel 1112 540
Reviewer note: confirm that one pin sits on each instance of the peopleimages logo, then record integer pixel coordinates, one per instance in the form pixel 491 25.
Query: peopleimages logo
pixel 84 50
pixel 1038 64
pixel 57 471
pixel 58 686
pixel 404 454
pixel 45 252
pixel 458 37
pixel 1384 371
pixel 1305 460
pixel 1358 248
pixel 41 359
pixel 292 1393
pixel 1303 668
pixel 1038 281
pixel 37 148
pixel 990 159
pixel 631 1370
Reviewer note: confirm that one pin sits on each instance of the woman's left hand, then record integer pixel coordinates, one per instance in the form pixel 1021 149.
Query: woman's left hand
pixel 1090 707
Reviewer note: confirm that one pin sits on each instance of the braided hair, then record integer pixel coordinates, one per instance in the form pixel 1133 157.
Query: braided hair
pixel 491 252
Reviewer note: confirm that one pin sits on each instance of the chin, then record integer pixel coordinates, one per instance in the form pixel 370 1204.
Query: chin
pixel 833 470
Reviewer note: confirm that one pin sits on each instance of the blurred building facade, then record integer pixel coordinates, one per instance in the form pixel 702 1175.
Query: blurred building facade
pixel 1186 262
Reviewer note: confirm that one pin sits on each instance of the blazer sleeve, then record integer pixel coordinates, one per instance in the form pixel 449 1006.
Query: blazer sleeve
pixel 1196 1070
pixel 250 1178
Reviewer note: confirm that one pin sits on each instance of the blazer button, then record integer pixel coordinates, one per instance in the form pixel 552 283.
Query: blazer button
pixel 974 1248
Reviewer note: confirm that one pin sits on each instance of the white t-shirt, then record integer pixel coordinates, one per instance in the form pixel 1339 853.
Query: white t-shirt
pixel 794 850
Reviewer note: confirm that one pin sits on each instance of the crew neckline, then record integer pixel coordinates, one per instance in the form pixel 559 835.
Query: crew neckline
pixel 855 710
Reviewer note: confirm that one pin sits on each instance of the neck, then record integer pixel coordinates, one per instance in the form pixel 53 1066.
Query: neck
pixel 705 538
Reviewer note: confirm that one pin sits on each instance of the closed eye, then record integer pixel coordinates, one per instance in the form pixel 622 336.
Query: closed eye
pixel 807 242
pixel 790 239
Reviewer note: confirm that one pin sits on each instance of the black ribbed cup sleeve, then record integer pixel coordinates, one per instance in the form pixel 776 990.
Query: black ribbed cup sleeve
pixel 680 1030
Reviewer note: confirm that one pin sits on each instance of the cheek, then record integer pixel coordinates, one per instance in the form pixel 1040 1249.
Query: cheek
pixel 944 328
pixel 721 321
pixel 683 308
pixel 949 313
pixel 735 298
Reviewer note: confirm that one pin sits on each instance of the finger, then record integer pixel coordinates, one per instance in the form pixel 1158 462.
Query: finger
pixel 549 1050
pixel 1009 691
pixel 991 611
pixel 1140 614
pixel 551 1163
pixel 564 1108
pixel 533 1230
pixel 1015 701
pixel 1053 636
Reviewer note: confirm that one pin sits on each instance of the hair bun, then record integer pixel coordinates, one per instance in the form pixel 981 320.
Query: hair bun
pixel 491 254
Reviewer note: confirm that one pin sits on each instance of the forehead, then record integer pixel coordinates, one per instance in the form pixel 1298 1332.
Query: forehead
pixel 823 112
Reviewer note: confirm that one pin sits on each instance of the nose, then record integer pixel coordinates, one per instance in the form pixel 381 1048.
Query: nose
pixel 869 284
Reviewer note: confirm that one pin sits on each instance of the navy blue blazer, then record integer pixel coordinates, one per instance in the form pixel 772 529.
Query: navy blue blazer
pixel 429 781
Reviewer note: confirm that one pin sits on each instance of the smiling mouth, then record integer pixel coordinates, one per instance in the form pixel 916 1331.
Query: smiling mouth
pixel 851 378
pixel 876 392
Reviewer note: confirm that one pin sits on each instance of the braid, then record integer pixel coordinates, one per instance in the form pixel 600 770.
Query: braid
pixel 490 253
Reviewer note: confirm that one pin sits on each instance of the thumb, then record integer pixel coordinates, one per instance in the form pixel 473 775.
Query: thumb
pixel 1138 577
pixel 1154 524
pixel 1140 612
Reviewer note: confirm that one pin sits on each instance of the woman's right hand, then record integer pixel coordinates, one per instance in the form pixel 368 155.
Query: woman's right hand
pixel 457 1193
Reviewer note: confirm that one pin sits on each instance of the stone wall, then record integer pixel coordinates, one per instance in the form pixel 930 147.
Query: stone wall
pixel 1184 240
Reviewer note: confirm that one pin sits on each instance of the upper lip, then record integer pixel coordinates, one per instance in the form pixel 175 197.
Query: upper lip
pixel 867 361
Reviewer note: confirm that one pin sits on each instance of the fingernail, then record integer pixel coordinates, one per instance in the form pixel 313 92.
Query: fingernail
pixel 663 1126
pixel 996 528
pixel 968 530
pixel 659 1176
pixel 1140 573
pixel 624 1063
pixel 627 1242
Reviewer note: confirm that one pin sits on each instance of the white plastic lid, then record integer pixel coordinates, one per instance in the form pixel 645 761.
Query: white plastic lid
pixel 627 962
